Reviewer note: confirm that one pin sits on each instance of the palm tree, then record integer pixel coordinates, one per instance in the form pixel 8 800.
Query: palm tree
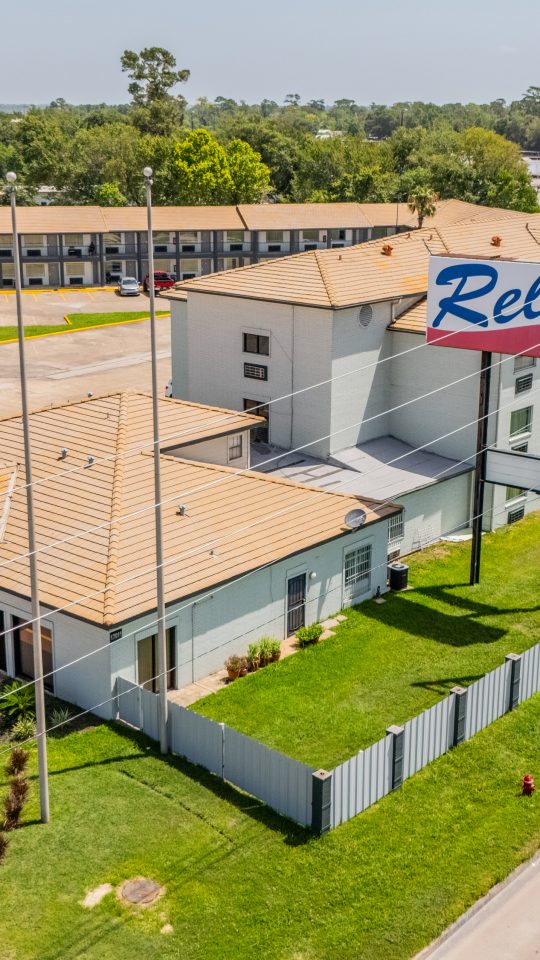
pixel 422 201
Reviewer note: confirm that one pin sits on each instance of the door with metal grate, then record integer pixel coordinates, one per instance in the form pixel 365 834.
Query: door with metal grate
pixel 296 603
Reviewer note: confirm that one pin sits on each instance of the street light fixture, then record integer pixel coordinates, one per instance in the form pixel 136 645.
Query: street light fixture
pixel 162 636
pixel 41 728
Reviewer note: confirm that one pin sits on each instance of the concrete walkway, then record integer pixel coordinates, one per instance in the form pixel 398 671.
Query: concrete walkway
pixel 503 925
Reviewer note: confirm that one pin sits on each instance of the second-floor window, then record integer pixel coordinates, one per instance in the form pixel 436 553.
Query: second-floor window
pixel 521 421
pixel 235 447
pixel 256 343
pixel 522 363
pixel 395 528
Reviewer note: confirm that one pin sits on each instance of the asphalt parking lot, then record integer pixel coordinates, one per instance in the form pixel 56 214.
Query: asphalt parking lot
pixel 98 360
pixel 50 306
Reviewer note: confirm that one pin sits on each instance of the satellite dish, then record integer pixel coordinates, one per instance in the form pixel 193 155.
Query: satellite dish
pixel 355 519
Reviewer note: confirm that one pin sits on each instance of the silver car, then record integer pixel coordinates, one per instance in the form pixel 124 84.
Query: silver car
pixel 128 287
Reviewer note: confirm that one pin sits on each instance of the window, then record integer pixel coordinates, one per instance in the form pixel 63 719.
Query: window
pixel 231 263
pixel 521 448
pixel 74 269
pixel 6 245
pixel 33 240
pixel 261 433
pixel 8 274
pixel 112 242
pixel 188 236
pixel 523 383
pixel 73 239
pixel 35 273
pixel 357 571
pixel 256 343
pixel 521 421
pixel 235 236
pixel 148 660
pixel 513 492
pixel 523 363
pixel 161 237
pixel 515 515
pixel 24 651
pixel 310 235
pixel 3 659
pixel 395 528
pixel 235 447
pixel 274 236
pixel 255 371
pixel 338 234
pixel 189 268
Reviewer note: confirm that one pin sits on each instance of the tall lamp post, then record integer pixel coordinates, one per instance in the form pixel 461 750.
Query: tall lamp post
pixel 34 580
pixel 162 636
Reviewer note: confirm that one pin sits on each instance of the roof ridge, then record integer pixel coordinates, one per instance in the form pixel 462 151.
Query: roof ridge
pixel 325 277
pixel 4 514
pixel 109 596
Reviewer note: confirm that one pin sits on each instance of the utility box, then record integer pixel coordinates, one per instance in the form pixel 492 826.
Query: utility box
pixel 398 576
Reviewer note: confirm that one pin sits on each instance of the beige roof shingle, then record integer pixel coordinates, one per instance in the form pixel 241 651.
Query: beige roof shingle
pixel 234 521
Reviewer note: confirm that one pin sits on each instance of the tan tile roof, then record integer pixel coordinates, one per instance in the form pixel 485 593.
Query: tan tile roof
pixel 412 320
pixel 173 218
pixel 53 219
pixel 363 274
pixel 303 216
pixel 246 519
pixel 388 214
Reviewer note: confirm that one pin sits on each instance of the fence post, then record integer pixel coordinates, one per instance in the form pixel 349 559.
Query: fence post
pixel 460 714
pixel 515 678
pixel 222 725
pixel 321 802
pixel 398 737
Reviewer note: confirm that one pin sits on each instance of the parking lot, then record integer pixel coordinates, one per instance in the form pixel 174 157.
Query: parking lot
pixel 50 306
pixel 98 360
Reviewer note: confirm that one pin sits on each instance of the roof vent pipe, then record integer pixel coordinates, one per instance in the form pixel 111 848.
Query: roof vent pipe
pixel 496 241
pixel 387 249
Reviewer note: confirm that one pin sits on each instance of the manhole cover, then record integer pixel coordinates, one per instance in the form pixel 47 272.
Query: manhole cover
pixel 140 890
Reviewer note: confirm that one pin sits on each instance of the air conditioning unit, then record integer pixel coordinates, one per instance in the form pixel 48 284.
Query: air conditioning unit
pixel 188 248
pixel 161 249
pixel 33 253
pixel 112 249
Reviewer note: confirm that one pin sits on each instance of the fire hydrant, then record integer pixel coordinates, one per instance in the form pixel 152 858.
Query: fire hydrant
pixel 528 785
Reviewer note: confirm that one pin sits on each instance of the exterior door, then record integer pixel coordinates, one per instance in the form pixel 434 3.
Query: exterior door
pixel 261 433
pixel 296 603
pixel 148 660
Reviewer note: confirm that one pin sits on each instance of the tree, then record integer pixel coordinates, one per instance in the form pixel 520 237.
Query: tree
pixel 422 202
pixel 292 99
pixel 208 173
pixel 109 195
pixel 250 176
pixel 153 75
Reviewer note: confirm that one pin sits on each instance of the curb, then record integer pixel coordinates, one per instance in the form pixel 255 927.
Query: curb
pixel 476 908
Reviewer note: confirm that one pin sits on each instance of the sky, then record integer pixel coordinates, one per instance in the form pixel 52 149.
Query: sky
pixel 381 52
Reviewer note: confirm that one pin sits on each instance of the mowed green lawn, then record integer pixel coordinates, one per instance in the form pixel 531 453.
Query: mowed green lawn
pixel 78 321
pixel 241 883
pixel 389 662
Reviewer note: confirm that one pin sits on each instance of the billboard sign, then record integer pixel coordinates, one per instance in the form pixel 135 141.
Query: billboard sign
pixel 479 304
pixel 513 469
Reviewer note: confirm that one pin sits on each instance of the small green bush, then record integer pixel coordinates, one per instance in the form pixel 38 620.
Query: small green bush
pixel 275 649
pixel 59 716
pixel 23 729
pixel 253 657
pixel 307 635
pixel 265 650
pixel 17 700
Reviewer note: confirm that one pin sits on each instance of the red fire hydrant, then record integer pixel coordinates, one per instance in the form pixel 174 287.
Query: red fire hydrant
pixel 528 785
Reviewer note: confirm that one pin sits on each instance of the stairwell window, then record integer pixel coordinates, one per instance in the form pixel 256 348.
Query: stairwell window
pixel 395 528
pixel 256 343
pixel 357 572
pixel 521 421
pixel 236 447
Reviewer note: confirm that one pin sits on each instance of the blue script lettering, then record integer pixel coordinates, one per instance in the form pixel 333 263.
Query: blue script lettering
pixel 453 304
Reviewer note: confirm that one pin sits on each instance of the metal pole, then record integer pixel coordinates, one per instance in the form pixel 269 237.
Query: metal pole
pixel 480 466
pixel 41 726
pixel 162 635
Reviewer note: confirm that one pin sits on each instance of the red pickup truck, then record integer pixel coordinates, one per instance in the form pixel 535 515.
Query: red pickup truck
pixel 162 281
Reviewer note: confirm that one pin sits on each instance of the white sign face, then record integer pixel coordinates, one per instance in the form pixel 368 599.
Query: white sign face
pixel 513 469
pixel 489 305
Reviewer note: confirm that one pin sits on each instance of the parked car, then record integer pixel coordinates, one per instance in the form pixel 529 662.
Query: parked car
pixel 128 287
pixel 168 388
pixel 162 281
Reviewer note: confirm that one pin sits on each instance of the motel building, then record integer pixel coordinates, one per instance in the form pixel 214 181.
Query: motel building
pixel 93 246
pixel 245 554
pixel 328 346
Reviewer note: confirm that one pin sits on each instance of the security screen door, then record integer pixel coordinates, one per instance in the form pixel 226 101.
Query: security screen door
pixel 296 603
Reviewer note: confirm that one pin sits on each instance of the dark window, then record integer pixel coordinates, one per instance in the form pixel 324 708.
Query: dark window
pixel 76 281
pixel 310 246
pixel 521 448
pixel 33 253
pixel 274 247
pixel 8 282
pixel 35 281
pixel 24 651
pixel 515 515
pixel 256 343
pixel 161 249
pixel 236 246
pixel 3 660
pixel 148 661
pixel 188 248
pixel 112 249
pixel 261 433
pixel 6 252
pixel 524 383
pixel 255 371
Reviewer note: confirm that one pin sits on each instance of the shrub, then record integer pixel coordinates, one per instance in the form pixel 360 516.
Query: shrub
pixel 18 700
pixel 235 665
pixel 17 761
pixel 19 787
pixel 253 657
pixel 274 647
pixel 307 635
pixel 59 716
pixel 13 807
pixel 4 843
pixel 265 650
pixel 23 729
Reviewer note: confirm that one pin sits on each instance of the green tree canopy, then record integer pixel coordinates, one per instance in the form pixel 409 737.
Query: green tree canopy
pixel 208 173
pixel 153 74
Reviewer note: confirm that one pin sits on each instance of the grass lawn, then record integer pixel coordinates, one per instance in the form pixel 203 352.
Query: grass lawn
pixel 241 883
pixel 77 321
pixel 389 662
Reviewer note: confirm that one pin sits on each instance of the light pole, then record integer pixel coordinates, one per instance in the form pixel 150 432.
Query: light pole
pixel 34 581
pixel 162 636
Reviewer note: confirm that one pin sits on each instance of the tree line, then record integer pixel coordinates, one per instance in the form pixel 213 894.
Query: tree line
pixel 224 152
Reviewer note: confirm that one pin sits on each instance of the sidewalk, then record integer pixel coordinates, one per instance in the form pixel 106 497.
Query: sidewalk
pixel 503 925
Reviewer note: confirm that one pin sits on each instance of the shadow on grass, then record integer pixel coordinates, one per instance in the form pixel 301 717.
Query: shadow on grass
pixel 406 614
pixel 293 834
pixel 445 684
pixel 474 608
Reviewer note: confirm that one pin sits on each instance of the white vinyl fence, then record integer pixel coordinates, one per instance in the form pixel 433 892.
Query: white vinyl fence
pixel 279 781
pixel 288 786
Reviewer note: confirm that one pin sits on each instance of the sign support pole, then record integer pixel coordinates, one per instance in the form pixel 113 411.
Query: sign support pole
pixel 480 466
